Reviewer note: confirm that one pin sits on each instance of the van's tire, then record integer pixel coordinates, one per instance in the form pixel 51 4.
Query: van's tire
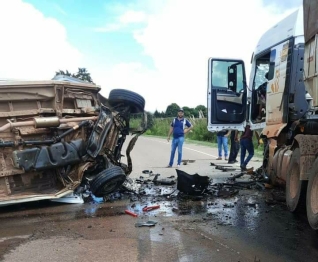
pixel 295 188
pixel 107 181
pixel 121 96
pixel 312 197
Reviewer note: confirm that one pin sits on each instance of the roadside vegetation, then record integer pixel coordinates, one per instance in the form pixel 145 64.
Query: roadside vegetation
pixel 159 124
pixel 198 134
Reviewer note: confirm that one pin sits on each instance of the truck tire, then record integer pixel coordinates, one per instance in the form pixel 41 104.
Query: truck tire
pixel 312 197
pixel 132 99
pixel 107 181
pixel 295 188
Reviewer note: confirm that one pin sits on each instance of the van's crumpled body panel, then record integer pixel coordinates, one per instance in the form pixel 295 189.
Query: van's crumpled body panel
pixel 56 136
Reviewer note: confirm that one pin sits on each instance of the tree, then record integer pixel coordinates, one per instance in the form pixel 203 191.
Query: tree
pixel 84 75
pixel 172 110
pixel 61 72
pixel 187 111
pixel 81 74
pixel 156 114
pixel 203 109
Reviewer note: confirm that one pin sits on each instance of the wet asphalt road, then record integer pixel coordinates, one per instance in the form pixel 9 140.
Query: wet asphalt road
pixel 253 225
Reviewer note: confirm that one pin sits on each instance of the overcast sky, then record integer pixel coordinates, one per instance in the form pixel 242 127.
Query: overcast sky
pixel 156 48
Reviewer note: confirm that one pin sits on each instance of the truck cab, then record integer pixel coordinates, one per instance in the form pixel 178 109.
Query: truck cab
pixel 284 68
pixel 276 71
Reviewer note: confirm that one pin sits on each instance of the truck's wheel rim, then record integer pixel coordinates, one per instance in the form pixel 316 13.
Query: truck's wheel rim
pixel 294 181
pixel 314 195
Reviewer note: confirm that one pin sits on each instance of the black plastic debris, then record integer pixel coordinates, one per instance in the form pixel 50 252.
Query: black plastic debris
pixel 149 223
pixel 165 182
pixel 192 184
pixel 187 161
pixel 149 172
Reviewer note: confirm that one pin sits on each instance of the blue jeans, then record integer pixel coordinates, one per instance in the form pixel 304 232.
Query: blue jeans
pixel 176 143
pixel 246 145
pixel 222 141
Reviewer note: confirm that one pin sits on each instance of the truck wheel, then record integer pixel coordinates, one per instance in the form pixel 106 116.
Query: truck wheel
pixel 107 181
pixel 121 96
pixel 295 188
pixel 312 197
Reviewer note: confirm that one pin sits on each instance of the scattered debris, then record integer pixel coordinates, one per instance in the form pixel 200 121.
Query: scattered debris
pixel 185 162
pixel 131 213
pixel 131 185
pixel 149 172
pixel 97 199
pixel 168 181
pixel 176 210
pixel 149 223
pixel 192 184
pixel 184 187
pixel 146 208
pixel 228 205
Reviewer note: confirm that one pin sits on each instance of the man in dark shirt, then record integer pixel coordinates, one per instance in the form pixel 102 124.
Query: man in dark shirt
pixel 178 127
pixel 246 143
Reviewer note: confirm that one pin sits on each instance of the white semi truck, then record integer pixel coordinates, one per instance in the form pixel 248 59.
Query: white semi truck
pixel 285 59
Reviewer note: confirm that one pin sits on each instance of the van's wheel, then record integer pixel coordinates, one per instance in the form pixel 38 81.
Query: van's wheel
pixel 295 188
pixel 107 181
pixel 119 97
pixel 312 197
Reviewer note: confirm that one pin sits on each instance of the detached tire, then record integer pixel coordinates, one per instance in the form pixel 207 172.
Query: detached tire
pixel 129 98
pixel 107 181
pixel 312 197
pixel 295 188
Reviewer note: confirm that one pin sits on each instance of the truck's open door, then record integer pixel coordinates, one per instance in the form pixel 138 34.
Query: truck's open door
pixel 227 94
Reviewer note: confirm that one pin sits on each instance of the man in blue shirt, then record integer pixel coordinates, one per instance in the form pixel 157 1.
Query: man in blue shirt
pixel 179 127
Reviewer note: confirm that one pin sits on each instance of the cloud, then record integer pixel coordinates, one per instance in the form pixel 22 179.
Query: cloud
pixel 112 27
pixel 132 17
pixel 182 36
pixel 126 19
pixel 32 46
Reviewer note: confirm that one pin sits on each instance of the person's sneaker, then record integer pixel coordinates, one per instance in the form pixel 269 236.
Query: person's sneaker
pixel 168 166
pixel 231 162
pixel 178 166
pixel 219 158
pixel 226 159
pixel 235 161
pixel 243 168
